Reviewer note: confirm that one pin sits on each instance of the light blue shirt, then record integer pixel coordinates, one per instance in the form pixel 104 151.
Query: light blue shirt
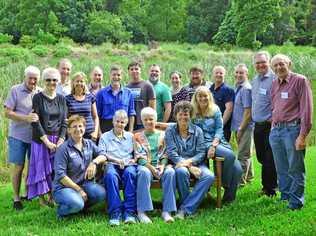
pixel 242 101
pixel 121 148
pixel 261 97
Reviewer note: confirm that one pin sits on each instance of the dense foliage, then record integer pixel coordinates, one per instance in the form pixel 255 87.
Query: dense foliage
pixel 244 23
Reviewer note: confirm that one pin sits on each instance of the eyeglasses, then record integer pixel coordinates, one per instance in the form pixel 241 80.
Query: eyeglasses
pixel 51 80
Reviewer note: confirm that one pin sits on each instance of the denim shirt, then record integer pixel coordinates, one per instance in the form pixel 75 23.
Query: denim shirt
pixel 212 127
pixel 71 162
pixel 179 150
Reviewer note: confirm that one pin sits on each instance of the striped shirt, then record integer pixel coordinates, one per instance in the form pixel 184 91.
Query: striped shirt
pixel 82 108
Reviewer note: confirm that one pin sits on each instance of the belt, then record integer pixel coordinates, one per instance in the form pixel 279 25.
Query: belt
pixel 263 123
pixel 287 124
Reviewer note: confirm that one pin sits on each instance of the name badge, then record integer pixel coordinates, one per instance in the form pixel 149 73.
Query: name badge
pixel 284 95
pixel 262 91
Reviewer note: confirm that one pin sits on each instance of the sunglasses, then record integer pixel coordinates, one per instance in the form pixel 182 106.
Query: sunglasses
pixel 51 80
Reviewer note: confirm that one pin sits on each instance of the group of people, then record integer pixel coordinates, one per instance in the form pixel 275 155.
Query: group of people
pixel 85 142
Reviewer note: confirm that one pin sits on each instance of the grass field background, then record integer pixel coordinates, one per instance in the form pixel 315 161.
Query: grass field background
pixel 249 215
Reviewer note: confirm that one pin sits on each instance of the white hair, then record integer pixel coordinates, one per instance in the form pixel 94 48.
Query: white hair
pixel 51 73
pixel 32 70
pixel 282 57
pixel 263 53
pixel 242 65
pixel 120 114
pixel 219 67
pixel 148 111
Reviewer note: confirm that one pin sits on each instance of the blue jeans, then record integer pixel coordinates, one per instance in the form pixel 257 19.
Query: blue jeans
pixel 114 176
pixel 70 201
pixel 18 150
pixel 189 201
pixel 289 164
pixel 232 171
pixel 168 182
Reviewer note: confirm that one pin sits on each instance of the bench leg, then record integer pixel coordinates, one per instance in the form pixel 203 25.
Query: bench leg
pixel 219 184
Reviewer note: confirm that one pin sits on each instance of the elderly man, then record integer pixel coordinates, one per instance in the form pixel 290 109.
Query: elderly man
pixel 261 115
pixel 143 92
pixel 196 80
pixel 292 107
pixel 18 108
pixel 224 98
pixel 163 94
pixel 112 98
pixel 118 146
pixel 241 121
pixel 64 87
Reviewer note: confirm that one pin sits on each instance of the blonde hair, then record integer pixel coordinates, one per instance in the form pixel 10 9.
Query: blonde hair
pixel 74 77
pixel 211 106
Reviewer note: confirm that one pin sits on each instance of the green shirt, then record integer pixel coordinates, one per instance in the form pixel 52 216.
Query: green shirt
pixel 163 95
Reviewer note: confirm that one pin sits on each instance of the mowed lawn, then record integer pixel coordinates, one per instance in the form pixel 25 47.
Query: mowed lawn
pixel 249 215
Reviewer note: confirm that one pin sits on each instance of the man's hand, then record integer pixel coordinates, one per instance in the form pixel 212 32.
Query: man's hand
pixel 194 170
pixel 184 163
pixel 32 117
pixel 300 143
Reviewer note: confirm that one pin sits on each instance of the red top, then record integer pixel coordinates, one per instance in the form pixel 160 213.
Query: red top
pixel 292 100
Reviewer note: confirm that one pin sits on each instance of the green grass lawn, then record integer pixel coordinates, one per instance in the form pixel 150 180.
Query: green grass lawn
pixel 249 215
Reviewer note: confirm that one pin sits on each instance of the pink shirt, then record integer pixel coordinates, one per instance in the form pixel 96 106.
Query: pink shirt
pixel 292 100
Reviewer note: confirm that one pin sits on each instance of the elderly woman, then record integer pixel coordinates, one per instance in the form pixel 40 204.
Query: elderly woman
pixel 179 93
pixel 153 165
pixel 48 133
pixel 186 149
pixel 75 166
pixel 81 102
pixel 118 145
pixel 96 76
pixel 207 116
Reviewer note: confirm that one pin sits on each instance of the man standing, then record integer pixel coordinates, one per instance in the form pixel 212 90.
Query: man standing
pixel 224 98
pixel 196 80
pixel 143 92
pixel 261 115
pixel 64 67
pixel 163 94
pixel 112 98
pixel 241 121
pixel 292 108
pixel 18 108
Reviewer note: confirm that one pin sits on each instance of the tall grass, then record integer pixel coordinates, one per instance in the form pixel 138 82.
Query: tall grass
pixel 171 56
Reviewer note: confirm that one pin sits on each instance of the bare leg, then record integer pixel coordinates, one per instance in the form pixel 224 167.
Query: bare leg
pixel 16 177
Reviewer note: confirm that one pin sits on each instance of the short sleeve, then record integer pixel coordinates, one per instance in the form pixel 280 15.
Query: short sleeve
pixel 246 98
pixel 10 102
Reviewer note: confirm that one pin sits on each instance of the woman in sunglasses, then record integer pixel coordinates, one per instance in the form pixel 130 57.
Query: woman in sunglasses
pixel 48 133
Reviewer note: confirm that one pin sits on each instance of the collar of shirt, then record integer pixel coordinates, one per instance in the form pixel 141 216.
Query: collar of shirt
pixel 109 89
pixel 218 88
pixel 287 79
pixel 71 142
pixel 202 84
pixel 190 128
pixel 115 137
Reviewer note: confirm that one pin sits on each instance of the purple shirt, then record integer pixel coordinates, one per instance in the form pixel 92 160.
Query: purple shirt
pixel 292 100
pixel 242 101
pixel 19 100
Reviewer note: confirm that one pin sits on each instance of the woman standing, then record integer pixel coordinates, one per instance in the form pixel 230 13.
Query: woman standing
pixel 82 103
pixel 48 133
pixel 208 117
pixel 186 149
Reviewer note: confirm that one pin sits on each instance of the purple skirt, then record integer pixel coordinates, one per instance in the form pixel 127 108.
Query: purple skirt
pixel 39 180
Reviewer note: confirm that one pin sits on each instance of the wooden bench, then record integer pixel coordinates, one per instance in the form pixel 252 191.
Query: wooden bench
pixel 218 172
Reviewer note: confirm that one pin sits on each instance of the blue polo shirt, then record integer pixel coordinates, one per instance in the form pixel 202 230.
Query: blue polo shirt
pixel 108 103
pixel 71 162
pixel 222 95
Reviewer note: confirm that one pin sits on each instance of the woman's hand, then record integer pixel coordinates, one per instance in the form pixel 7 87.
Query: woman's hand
pixel 83 195
pixel 215 142
pixel 160 169
pixel 59 142
pixel 94 136
pixel 51 146
pixel 91 170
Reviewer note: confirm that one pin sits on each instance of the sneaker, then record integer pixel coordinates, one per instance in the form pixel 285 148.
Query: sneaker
pixel 180 215
pixel 167 218
pixel 294 207
pixel 17 205
pixel 143 218
pixel 115 219
pixel 129 218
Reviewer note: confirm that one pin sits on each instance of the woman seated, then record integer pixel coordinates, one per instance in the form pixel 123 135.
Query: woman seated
pixel 187 151
pixel 152 163
pixel 208 117
pixel 75 165
pixel 118 146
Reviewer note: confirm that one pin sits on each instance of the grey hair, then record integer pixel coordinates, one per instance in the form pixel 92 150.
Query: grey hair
pixel 120 114
pixel 32 70
pixel 264 53
pixel 148 111
pixel 283 57
pixel 51 73
pixel 242 65
pixel 219 67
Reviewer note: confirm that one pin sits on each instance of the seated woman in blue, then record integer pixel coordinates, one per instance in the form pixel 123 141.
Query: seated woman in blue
pixel 186 150
pixel 207 116
pixel 118 146
pixel 75 166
